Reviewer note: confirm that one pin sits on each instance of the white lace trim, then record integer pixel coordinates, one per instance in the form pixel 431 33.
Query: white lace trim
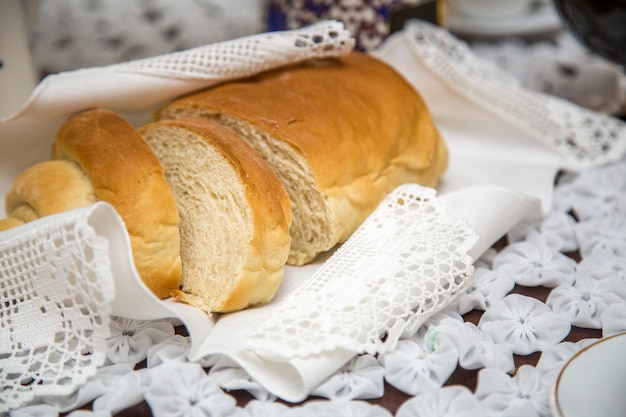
pixel 584 136
pixel 407 261
pixel 249 55
pixel 56 292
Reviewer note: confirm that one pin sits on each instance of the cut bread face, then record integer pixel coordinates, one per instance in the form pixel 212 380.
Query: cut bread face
pixel 340 133
pixel 234 214
pixel 312 231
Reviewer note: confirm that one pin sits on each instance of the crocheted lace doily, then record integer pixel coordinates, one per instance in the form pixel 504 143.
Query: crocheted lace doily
pixel 405 262
pixel 54 316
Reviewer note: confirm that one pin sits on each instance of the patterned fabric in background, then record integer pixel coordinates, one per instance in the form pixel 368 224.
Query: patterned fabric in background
pixel 368 20
pixel 71 34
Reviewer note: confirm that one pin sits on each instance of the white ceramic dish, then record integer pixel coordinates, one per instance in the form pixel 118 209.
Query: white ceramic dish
pixel 593 382
pixel 541 19
pixel 489 8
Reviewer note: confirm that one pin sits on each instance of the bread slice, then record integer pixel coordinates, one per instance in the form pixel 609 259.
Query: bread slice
pixel 99 156
pixel 341 133
pixel 234 214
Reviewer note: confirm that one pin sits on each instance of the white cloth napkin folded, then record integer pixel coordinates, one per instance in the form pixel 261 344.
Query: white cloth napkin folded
pixel 499 132
pixel 137 88
pixel 501 170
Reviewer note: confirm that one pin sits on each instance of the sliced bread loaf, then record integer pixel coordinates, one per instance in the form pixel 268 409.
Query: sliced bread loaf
pixel 340 133
pixel 234 214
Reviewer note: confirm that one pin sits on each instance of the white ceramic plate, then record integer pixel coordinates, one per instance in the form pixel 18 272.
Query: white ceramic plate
pixel 593 382
pixel 539 20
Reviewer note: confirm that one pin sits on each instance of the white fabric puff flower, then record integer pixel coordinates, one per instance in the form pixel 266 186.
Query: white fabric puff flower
pixel 601 192
pixel 557 229
pixel 127 392
pixel 176 390
pixel 614 319
pixel 525 394
pixel 422 364
pixel 524 324
pixel 600 266
pixel 476 349
pixel 89 413
pixel 256 408
pixel 606 235
pixel 174 348
pixel 130 339
pixel 584 303
pixel 522 229
pixel 318 408
pixel 231 376
pixel 106 380
pixel 36 410
pixel 360 379
pixel 533 263
pixel 553 359
pixel 488 288
pixel 564 195
pixel 452 401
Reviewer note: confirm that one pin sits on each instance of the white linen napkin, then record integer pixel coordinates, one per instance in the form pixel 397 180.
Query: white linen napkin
pixel 501 171
pixel 499 132
pixel 137 88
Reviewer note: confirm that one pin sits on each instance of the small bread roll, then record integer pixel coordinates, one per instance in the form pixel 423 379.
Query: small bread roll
pixel 99 156
pixel 46 188
pixel 234 214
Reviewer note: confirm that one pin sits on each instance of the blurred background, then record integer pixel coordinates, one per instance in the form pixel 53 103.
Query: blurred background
pixel 525 37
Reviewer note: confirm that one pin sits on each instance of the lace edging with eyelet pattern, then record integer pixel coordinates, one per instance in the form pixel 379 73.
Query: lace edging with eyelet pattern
pixel 406 262
pixel 248 55
pixel 56 288
pixel 587 138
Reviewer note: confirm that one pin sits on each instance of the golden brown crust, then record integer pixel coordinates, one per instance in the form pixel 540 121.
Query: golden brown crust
pixel 268 249
pixel 353 109
pixel 360 126
pixel 125 173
